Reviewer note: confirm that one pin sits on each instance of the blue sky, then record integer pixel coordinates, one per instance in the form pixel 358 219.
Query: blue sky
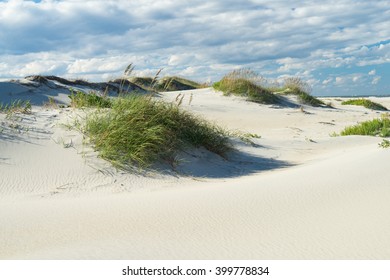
pixel 339 47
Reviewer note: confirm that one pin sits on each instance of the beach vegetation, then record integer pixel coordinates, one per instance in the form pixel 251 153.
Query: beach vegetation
pixel 300 88
pixel 365 103
pixel 296 84
pixel 140 131
pixel 144 82
pixel 177 83
pixel 247 83
pixel 245 137
pixel 308 99
pixel 330 104
pixel 64 144
pixel 173 83
pixel 52 104
pixel 81 99
pixel 376 127
pixel 16 106
pixel 384 144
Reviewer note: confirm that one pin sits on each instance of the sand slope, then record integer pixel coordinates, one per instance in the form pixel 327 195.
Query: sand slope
pixel 297 194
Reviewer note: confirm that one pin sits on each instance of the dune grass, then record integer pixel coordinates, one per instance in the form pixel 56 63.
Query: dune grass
pixel 384 144
pixel 80 99
pixel 17 106
pixel 376 127
pixel 308 99
pixel 247 83
pixel 173 83
pixel 298 87
pixel 365 103
pixel 176 83
pixel 140 131
pixel 144 82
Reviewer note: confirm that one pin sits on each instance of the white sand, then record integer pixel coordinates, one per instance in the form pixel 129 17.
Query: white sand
pixel 298 194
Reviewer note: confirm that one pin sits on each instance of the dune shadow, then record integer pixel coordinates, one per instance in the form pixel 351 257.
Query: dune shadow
pixel 37 95
pixel 3 161
pixel 204 164
pixel 39 90
pixel 22 133
pixel 285 102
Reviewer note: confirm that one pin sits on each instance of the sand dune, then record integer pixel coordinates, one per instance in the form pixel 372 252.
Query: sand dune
pixel 298 193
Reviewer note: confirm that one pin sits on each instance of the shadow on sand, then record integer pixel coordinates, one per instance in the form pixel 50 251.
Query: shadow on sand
pixel 203 164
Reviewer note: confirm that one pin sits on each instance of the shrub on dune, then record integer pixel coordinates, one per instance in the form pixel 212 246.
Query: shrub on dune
pixel 176 83
pixel 375 127
pixel 80 99
pixel 365 103
pixel 145 82
pixel 384 144
pixel 298 87
pixel 139 130
pixel 166 84
pixel 247 83
pixel 17 106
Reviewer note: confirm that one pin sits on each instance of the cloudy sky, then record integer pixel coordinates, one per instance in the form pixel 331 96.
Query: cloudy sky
pixel 342 47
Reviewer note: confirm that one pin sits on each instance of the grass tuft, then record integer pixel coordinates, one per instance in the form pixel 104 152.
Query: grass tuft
pixel 376 127
pixel 365 103
pixel 247 83
pixel 80 99
pixel 17 106
pixel 384 144
pixel 298 87
pixel 139 130
pixel 165 84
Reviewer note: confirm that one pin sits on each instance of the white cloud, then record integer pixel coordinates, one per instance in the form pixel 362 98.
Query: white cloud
pixel 183 59
pixel 355 79
pixel 97 65
pixel 195 38
pixel 376 80
pixel 327 81
pixel 339 80
pixel 372 72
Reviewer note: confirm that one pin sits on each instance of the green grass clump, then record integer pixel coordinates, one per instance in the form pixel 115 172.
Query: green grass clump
pixel 138 130
pixel 247 83
pixel 144 82
pixel 176 83
pixel 376 127
pixel 298 87
pixel 17 106
pixel 365 103
pixel 308 99
pixel 80 99
pixel 384 144
pixel 165 84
